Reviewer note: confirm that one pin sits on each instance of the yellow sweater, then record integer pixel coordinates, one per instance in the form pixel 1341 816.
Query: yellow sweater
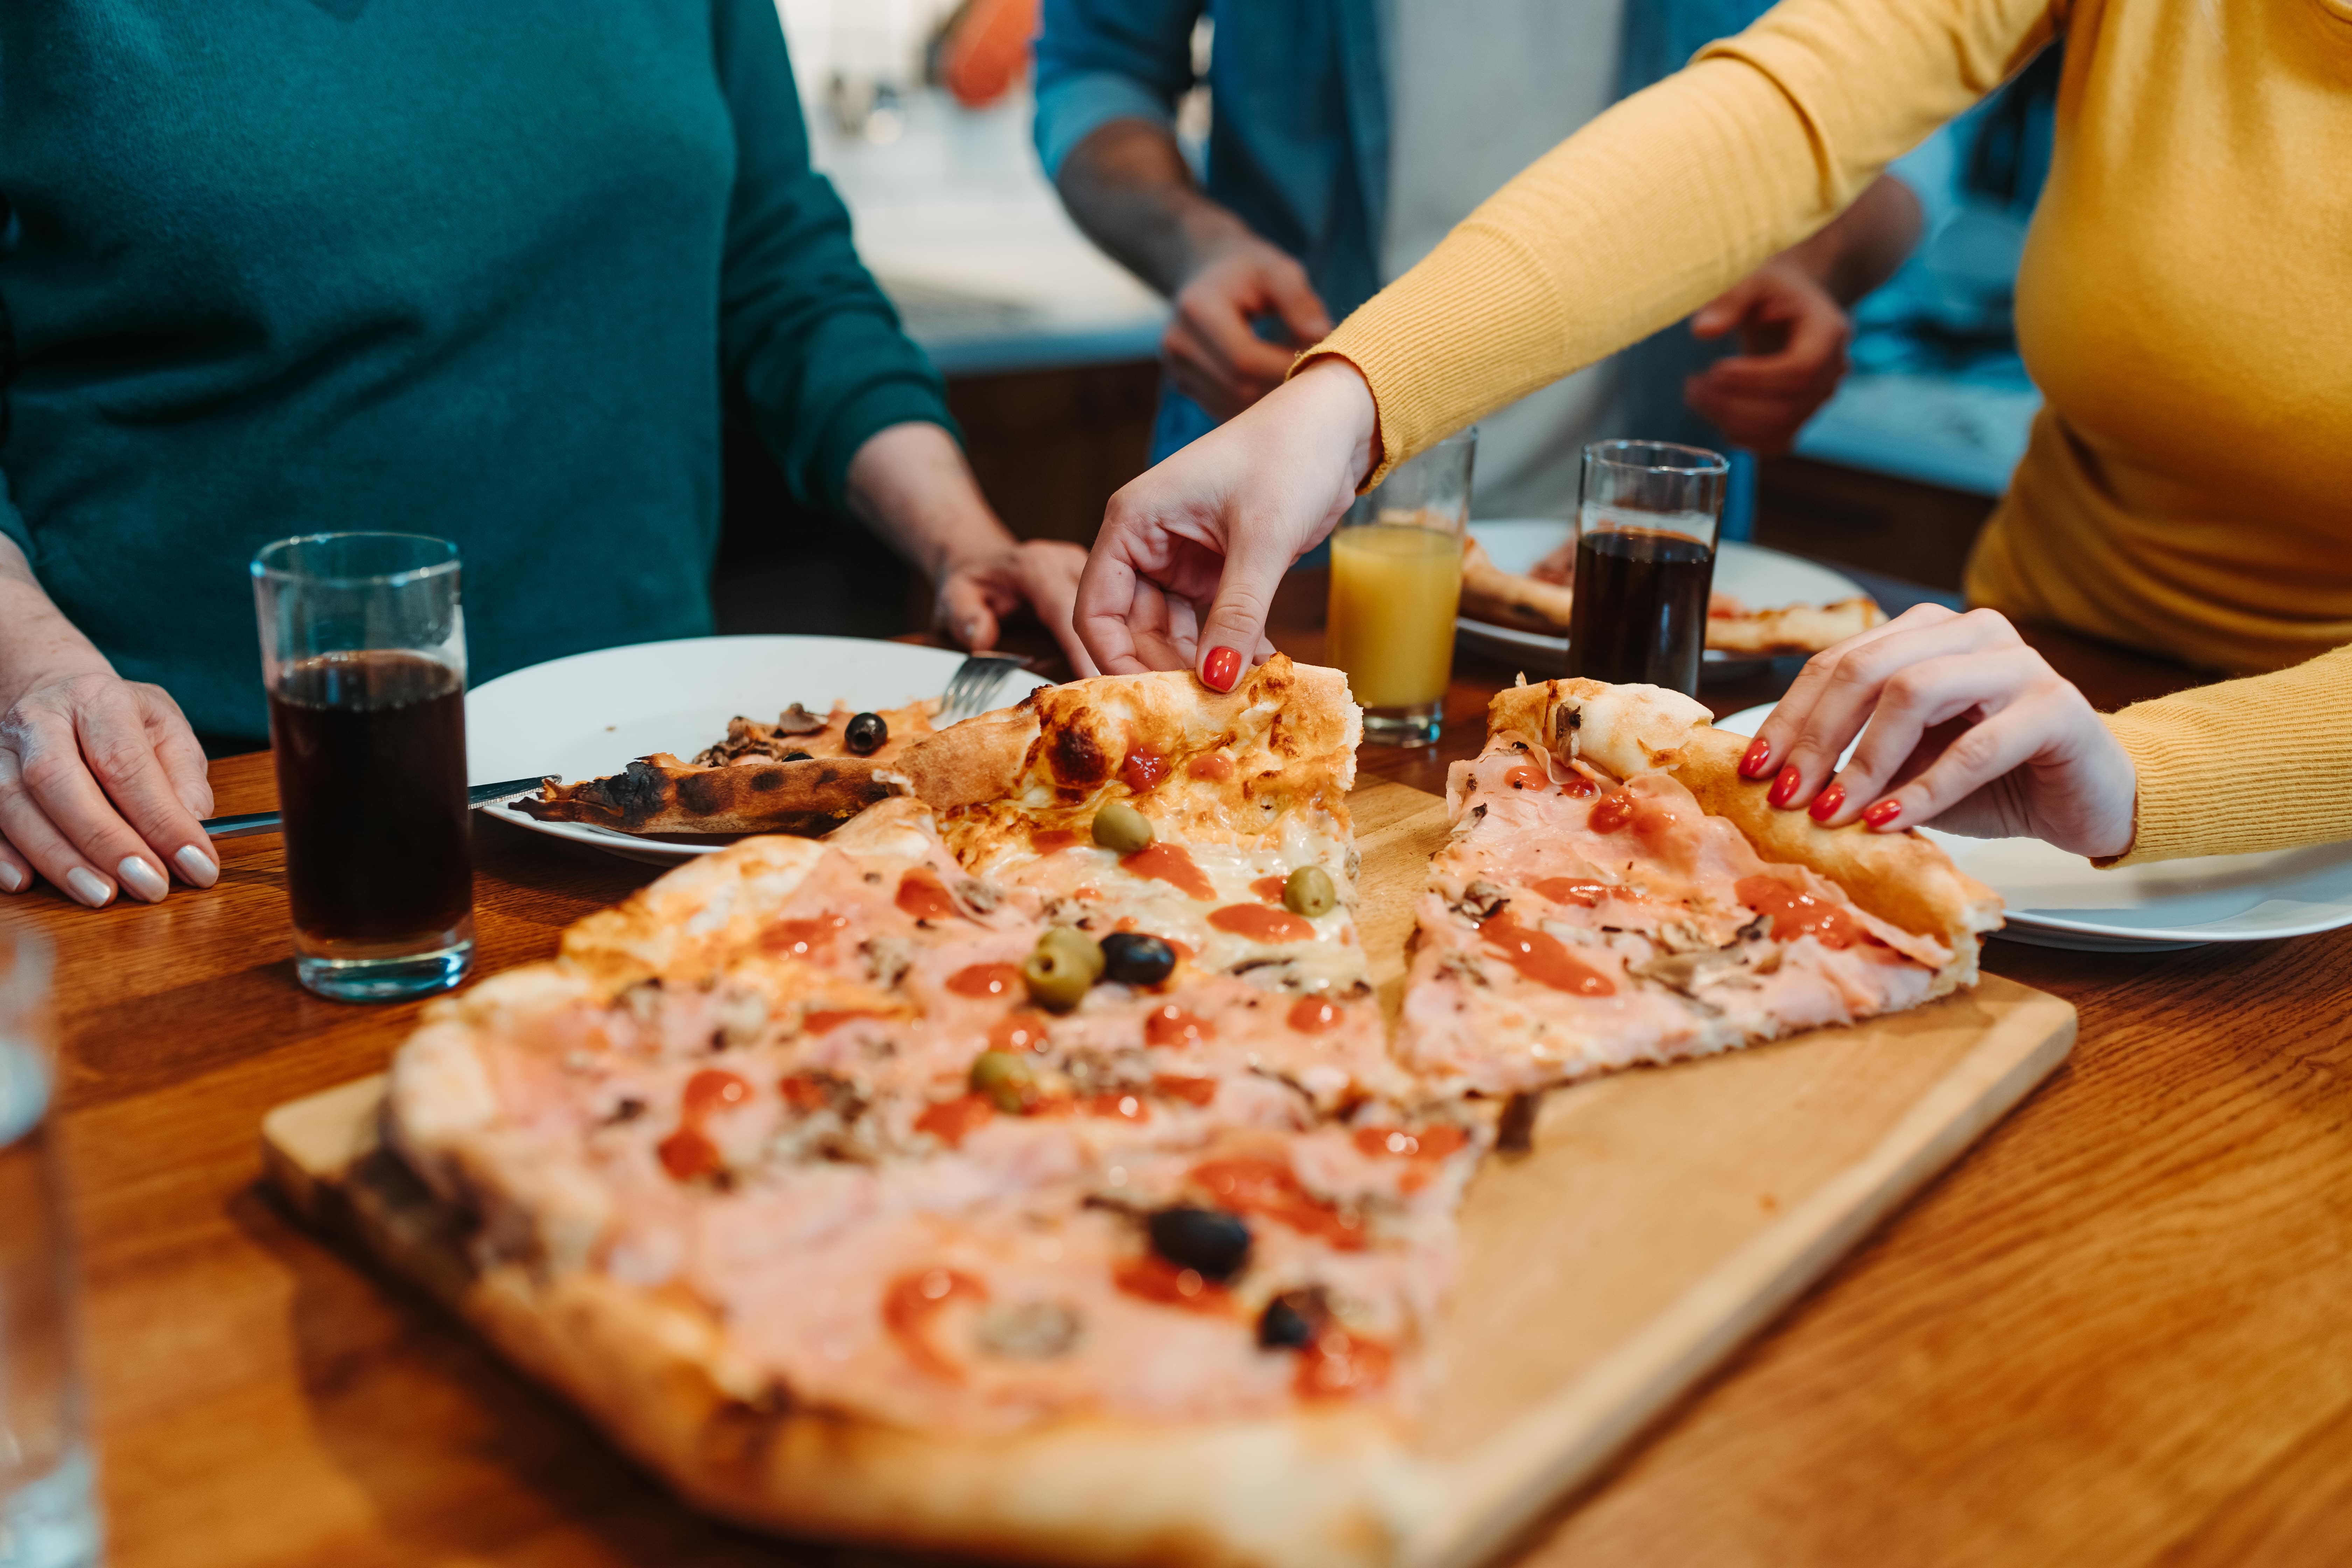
pixel 2185 304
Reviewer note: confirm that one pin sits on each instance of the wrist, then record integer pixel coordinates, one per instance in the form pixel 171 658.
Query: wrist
pixel 37 644
pixel 1343 399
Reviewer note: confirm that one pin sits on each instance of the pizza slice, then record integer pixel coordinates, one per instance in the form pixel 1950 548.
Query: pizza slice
pixel 1209 831
pixel 1615 893
pixel 802 775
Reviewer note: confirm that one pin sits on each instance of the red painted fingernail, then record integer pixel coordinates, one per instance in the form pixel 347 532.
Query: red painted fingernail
pixel 1222 668
pixel 1884 812
pixel 1825 804
pixel 1759 758
pixel 1784 788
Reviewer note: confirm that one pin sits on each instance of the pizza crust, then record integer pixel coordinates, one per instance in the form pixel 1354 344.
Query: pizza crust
pixel 661 794
pixel 1627 729
pixel 650 1369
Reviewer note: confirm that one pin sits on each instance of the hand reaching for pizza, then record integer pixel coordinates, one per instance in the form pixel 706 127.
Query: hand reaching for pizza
pixel 1185 567
pixel 1962 725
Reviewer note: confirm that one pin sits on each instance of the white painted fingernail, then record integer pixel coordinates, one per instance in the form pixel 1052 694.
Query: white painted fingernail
pixel 196 865
pixel 11 879
pixel 89 887
pixel 142 879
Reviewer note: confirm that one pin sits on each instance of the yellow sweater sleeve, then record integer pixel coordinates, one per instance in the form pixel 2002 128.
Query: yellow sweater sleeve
pixel 2260 764
pixel 1669 199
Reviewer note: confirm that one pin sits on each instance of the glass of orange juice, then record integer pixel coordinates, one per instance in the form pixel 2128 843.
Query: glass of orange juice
pixel 1396 582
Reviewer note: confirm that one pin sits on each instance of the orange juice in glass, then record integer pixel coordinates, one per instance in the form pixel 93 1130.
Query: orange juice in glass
pixel 1396 582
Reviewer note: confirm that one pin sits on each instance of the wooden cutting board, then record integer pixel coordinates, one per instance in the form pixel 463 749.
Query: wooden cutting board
pixel 1661 1216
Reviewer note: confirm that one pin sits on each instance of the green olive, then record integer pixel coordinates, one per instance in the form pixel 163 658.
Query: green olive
pixel 1308 891
pixel 1118 826
pixel 1062 968
pixel 1005 1080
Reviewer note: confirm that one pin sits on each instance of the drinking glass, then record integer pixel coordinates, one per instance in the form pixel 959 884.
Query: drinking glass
pixel 1645 532
pixel 48 1506
pixel 363 656
pixel 1396 582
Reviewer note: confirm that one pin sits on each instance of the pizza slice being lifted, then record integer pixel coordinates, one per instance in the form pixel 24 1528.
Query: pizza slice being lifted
pixel 1615 893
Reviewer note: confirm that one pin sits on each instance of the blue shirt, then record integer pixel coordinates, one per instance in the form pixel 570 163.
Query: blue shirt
pixel 1298 139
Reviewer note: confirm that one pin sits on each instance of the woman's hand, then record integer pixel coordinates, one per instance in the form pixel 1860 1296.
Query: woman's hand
pixel 102 781
pixel 1040 575
pixel 1185 567
pixel 1961 724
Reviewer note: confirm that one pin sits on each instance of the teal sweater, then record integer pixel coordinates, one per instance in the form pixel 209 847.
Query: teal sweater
pixel 482 269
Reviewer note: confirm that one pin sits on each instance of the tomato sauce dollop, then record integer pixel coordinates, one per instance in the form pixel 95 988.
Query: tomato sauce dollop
pixel 911 1302
pixel 1169 1025
pixel 1423 1143
pixel 953 1121
pixel 986 980
pixel 1045 840
pixel 816 1021
pixel 1143 769
pixel 1269 1187
pixel 1314 1015
pixel 1270 887
pixel 1259 923
pixel 1180 1086
pixel 1613 812
pixel 1544 958
pixel 1214 766
pixel 921 894
pixel 712 1088
pixel 1155 1278
pixel 804 939
pixel 686 1154
pixel 1795 913
pixel 1019 1030
pixel 1169 863
pixel 1525 778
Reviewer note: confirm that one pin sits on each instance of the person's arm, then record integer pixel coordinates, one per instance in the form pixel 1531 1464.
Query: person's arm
pixel 846 402
pixel 1127 188
pixel 1669 199
pixel 102 785
pixel 1791 315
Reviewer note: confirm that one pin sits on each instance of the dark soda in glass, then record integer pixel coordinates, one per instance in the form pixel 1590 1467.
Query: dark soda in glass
pixel 371 750
pixel 1640 610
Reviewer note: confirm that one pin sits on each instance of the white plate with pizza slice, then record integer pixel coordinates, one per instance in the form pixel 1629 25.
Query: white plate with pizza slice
pixel 1759 578
pixel 589 715
pixel 2058 900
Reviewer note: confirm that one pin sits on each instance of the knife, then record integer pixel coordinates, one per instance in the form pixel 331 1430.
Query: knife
pixel 270 821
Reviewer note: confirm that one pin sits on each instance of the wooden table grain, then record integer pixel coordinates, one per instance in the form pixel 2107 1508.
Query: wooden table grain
pixel 2115 1334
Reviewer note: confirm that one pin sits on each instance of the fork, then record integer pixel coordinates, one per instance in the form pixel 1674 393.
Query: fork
pixel 974 683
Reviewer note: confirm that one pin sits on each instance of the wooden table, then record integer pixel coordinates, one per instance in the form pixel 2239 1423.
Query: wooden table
pixel 2117 1333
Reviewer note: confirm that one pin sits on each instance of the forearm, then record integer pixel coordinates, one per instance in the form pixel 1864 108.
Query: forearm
pixel 36 638
pixel 910 484
pixel 1863 244
pixel 1127 188
pixel 2243 765
pixel 1670 198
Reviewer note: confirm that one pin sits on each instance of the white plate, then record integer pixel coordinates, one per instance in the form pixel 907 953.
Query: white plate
pixel 588 715
pixel 1759 578
pixel 2057 899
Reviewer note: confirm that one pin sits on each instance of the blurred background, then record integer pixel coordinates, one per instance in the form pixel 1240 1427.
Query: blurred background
pixel 919 111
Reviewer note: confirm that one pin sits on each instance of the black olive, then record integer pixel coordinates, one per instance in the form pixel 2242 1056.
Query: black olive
pixel 1292 1320
pixel 865 734
pixel 796 757
pixel 1209 1241
pixel 1132 958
